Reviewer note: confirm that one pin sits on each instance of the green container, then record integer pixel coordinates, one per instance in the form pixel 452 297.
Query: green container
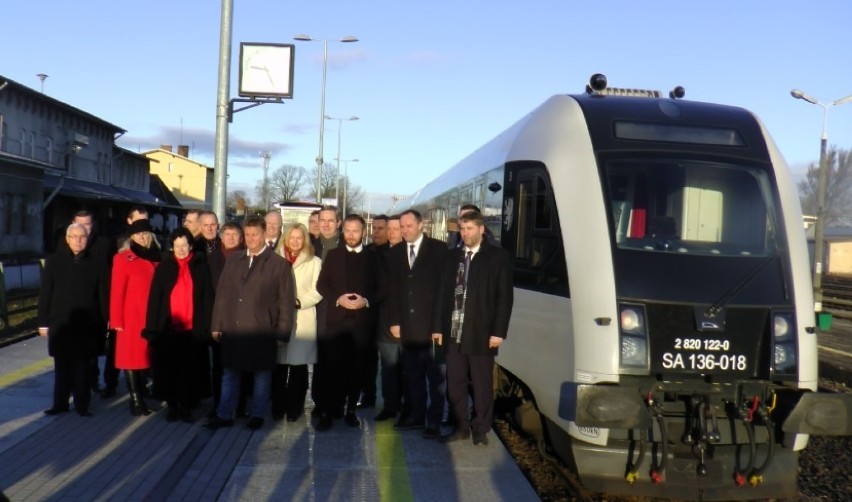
pixel 824 321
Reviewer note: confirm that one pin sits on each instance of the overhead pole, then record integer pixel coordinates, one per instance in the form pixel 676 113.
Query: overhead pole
pixel 223 93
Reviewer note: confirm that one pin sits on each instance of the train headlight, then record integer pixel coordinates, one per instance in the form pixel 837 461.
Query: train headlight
pixel 632 319
pixel 633 335
pixel 782 325
pixel 784 346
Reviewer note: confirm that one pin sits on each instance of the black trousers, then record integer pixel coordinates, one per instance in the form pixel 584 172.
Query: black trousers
pixel 424 392
pixel 110 372
pixel 71 376
pixel 477 371
pixel 289 389
pixel 341 355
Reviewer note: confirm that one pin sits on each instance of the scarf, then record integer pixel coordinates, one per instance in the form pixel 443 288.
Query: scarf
pixel 290 257
pixel 151 254
pixel 181 297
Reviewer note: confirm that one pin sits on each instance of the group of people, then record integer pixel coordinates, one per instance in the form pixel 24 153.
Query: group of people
pixel 241 314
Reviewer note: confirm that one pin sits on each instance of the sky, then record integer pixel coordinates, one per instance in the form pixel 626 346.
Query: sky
pixel 430 81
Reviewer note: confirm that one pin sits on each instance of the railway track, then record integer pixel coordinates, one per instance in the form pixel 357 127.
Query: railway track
pixel 837 296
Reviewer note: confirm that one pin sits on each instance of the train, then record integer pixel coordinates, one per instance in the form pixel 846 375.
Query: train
pixel 663 339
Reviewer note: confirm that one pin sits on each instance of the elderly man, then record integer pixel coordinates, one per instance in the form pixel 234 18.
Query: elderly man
pixel 274 222
pixel 73 317
pixel 254 308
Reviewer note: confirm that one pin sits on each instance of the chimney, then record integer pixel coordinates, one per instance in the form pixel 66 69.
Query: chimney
pixel 167 148
pixel 183 150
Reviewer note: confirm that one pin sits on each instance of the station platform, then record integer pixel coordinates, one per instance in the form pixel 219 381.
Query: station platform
pixel 115 456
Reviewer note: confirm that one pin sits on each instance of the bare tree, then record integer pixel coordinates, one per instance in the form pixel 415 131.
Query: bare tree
pixel 286 182
pixel 354 195
pixel 237 200
pixel 328 185
pixel 838 192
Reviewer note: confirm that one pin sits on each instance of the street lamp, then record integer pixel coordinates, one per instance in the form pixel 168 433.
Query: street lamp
pixel 819 226
pixel 339 128
pixel 308 38
pixel 345 179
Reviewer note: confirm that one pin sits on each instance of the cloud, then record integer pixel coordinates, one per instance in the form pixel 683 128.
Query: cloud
pixel 202 142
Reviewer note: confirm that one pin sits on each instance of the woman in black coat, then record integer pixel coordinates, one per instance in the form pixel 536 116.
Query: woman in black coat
pixel 180 305
pixel 72 309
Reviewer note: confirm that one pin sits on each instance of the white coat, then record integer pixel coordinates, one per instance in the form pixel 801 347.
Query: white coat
pixel 302 347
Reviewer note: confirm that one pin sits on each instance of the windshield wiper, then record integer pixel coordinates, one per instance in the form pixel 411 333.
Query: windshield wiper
pixel 719 304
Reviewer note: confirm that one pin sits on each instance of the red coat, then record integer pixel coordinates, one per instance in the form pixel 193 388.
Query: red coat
pixel 128 305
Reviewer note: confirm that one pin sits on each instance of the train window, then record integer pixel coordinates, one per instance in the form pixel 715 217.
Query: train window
pixel 531 230
pixel 691 207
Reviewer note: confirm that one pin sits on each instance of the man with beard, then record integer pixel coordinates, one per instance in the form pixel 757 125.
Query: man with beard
pixel 348 283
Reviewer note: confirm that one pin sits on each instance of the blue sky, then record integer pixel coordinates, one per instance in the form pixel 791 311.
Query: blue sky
pixel 430 81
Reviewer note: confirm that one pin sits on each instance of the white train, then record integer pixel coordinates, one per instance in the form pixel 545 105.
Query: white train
pixel 663 337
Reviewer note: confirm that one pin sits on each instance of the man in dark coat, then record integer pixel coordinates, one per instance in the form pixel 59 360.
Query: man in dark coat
pixel 72 312
pixel 102 249
pixel 215 258
pixel 254 308
pixel 415 272
pixel 478 296
pixel 348 283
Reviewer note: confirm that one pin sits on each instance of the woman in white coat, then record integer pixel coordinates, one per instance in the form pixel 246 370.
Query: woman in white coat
pixel 290 377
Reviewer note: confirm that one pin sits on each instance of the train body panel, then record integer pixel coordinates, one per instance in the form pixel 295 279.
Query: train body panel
pixel 662 289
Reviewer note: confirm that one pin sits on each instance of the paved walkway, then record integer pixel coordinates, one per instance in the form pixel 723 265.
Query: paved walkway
pixel 114 456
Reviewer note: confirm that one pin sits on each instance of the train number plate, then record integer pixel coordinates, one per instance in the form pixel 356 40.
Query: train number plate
pixel 703 354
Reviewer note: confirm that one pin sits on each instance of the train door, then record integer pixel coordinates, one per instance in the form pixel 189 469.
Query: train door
pixel 531 231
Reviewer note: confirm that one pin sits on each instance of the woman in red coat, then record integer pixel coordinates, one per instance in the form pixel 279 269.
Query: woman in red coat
pixel 132 273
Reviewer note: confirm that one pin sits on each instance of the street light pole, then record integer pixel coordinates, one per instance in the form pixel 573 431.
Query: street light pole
pixel 339 129
pixel 819 225
pixel 308 38
pixel 345 180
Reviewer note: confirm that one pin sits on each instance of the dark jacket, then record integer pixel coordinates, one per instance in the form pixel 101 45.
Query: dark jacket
pixel 382 333
pixel 490 296
pixel 215 259
pixel 158 316
pixel 254 308
pixel 73 303
pixel 413 295
pixel 169 348
pixel 332 283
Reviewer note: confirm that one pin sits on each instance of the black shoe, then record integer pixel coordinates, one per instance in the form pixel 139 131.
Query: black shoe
pixel 254 423
pixel 56 411
pixel 216 422
pixel 479 438
pixel 384 415
pixel 84 413
pixel 351 420
pixel 366 403
pixel 337 413
pixel 458 435
pixel 408 425
pixel 293 418
pixel 324 422
pixel 186 416
pixel 109 391
pixel 277 417
pixel 431 432
pixel 172 415
pixel 242 414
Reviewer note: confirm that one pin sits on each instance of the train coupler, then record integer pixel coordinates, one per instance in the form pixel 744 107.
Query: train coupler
pixel 755 479
pixel 739 479
pixel 656 476
pixel 631 477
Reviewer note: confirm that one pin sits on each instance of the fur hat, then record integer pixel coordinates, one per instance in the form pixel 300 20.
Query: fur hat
pixel 139 226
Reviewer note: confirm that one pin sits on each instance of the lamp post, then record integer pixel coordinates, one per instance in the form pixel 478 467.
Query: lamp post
pixel 308 38
pixel 339 129
pixel 819 226
pixel 345 179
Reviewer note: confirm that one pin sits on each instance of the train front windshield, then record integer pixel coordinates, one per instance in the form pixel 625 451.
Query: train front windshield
pixel 686 229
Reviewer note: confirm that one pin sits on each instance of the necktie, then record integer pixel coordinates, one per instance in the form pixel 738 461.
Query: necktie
pixel 460 296
pixel 411 256
pixel 270 243
pixel 467 258
pixel 251 259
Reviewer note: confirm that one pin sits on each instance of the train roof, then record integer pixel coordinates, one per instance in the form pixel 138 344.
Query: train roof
pixel 599 111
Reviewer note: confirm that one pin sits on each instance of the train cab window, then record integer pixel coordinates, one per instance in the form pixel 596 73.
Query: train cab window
pixel 691 207
pixel 531 230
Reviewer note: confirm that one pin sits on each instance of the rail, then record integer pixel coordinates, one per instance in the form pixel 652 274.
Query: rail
pixel 837 296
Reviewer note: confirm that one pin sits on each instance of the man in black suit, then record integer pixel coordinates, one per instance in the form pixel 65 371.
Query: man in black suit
pixel 274 222
pixel 414 285
pixel 477 304
pixel 348 283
